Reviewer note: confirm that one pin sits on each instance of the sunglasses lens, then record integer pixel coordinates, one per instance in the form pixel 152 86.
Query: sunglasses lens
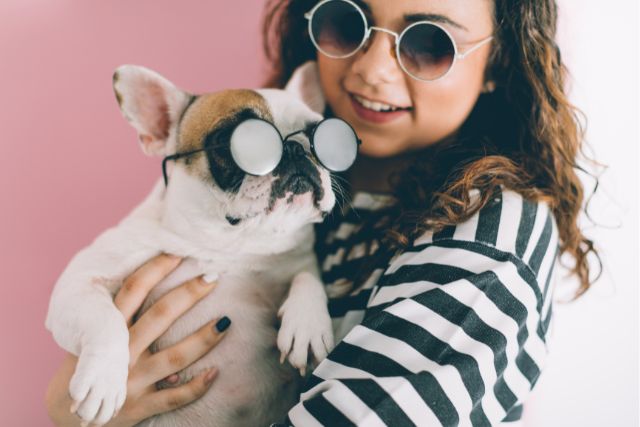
pixel 256 146
pixel 426 51
pixel 335 144
pixel 337 28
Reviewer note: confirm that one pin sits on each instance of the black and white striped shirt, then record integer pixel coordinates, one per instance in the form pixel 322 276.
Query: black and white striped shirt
pixel 452 331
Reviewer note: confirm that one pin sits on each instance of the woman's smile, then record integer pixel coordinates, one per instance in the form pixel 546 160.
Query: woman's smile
pixel 376 112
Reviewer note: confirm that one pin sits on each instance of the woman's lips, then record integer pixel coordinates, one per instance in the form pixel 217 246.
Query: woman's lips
pixel 375 116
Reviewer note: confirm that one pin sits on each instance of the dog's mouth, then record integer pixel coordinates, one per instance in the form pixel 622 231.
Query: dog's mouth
pixel 294 189
pixel 235 220
pixel 300 183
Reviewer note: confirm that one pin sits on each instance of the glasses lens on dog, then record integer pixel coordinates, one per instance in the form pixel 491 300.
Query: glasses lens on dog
pixel 335 144
pixel 256 146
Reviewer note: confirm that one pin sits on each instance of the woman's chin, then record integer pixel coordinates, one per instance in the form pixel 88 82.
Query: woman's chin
pixel 377 147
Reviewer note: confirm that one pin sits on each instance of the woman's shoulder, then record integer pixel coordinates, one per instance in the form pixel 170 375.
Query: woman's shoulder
pixel 509 227
pixel 507 252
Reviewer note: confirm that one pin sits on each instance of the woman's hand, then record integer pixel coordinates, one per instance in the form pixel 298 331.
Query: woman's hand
pixel 145 369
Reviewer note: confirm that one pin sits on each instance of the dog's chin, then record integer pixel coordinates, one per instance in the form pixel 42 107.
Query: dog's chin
pixel 282 203
pixel 297 206
pixel 298 209
pixel 290 209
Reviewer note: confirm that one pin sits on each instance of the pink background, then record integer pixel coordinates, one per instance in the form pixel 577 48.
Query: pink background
pixel 71 165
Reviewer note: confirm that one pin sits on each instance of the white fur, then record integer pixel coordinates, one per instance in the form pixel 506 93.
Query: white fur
pixel 305 84
pixel 256 261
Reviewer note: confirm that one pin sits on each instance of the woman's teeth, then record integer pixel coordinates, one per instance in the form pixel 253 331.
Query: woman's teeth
pixel 376 106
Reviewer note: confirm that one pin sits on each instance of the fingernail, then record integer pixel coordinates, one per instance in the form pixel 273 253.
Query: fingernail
pixel 208 379
pixel 172 378
pixel 223 324
pixel 210 277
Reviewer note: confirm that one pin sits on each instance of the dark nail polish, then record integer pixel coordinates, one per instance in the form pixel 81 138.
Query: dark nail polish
pixel 223 324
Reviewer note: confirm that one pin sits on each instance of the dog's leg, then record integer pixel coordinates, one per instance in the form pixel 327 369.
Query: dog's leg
pixel 305 321
pixel 84 320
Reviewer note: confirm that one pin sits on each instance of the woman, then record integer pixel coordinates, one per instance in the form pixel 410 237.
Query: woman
pixel 465 193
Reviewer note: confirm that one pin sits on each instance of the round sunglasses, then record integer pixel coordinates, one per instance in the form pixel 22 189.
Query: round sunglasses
pixel 257 146
pixel 425 50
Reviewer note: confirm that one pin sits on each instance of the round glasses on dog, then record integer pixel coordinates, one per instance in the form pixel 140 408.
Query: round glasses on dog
pixel 257 146
pixel 333 142
pixel 425 50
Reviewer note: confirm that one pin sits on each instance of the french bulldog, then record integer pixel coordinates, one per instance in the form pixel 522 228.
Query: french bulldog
pixel 254 233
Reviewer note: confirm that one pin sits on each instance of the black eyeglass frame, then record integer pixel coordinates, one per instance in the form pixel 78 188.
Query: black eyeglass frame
pixel 176 156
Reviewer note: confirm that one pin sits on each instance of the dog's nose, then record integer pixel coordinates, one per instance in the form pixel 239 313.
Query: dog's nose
pixel 293 149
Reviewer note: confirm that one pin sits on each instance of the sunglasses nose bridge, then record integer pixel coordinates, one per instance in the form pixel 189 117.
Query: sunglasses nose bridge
pixel 384 30
pixel 366 44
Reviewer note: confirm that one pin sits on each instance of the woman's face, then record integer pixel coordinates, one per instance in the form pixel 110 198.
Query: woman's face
pixel 435 110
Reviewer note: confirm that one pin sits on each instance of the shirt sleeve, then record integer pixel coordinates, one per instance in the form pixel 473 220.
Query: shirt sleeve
pixel 454 332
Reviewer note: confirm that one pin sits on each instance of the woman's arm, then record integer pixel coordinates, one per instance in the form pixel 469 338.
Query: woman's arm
pixel 454 333
pixel 143 399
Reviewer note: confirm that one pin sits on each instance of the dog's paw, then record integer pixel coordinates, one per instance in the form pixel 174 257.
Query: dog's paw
pixel 304 323
pixel 99 384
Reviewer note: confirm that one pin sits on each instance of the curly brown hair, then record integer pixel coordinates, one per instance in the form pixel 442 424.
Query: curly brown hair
pixel 524 136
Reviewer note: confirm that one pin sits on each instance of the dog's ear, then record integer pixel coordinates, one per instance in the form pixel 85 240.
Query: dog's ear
pixel 151 103
pixel 305 84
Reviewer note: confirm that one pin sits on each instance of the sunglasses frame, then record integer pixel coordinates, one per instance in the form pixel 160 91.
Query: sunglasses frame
pixel 397 37
pixel 312 139
pixel 282 141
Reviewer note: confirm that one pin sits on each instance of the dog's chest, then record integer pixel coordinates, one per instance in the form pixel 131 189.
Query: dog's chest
pixel 247 356
pixel 250 297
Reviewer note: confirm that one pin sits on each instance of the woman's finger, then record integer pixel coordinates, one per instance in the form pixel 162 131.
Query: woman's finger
pixel 173 398
pixel 138 284
pixel 183 353
pixel 164 312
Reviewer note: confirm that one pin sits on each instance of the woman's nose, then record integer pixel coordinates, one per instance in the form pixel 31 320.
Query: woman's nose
pixel 376 62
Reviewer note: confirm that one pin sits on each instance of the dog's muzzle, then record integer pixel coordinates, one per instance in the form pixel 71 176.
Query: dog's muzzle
pixel 296 174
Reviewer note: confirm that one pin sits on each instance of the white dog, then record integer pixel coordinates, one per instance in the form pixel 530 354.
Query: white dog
pixel 253 232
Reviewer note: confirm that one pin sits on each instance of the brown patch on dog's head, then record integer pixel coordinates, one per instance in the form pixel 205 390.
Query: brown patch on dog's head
pixel 207 114
pixel 209 110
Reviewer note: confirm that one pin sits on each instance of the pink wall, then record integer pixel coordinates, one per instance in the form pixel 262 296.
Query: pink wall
pixel 71 166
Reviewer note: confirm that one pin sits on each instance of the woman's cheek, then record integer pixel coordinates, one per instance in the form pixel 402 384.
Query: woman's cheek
pixel 442 111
